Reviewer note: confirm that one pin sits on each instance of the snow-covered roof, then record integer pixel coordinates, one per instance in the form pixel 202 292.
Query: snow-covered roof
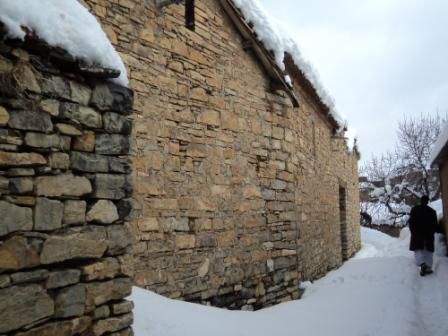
pixel 439 146
pixel 65 24
pixel 280 43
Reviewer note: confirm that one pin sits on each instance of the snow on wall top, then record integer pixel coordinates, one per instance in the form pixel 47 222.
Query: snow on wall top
pixel 276 39
pixel 441 141
pixel 66 24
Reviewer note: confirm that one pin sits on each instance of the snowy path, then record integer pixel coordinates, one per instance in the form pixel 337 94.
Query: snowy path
pixel 432 305
pixel 378 293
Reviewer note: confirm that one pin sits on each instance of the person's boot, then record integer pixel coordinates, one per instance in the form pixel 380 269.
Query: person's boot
pixel 423 269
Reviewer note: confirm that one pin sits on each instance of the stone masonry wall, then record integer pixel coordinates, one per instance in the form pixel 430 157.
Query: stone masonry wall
pixel 443 173
pixel 64 189
pixel 236 191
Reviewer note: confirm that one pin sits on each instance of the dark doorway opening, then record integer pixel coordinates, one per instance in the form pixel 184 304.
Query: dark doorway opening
pixel 343 222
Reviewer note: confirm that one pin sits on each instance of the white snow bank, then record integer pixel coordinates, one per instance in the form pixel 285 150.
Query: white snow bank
pixel 66 24
pixel 439 144
pixel 378 244
pixel 277 39
pixel 373 296
pixel 360 299
pixel 438 207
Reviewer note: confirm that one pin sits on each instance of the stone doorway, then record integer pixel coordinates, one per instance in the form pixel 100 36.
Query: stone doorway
pixel 343 221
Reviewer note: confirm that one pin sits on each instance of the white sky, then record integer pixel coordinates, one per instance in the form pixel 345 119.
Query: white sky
pixel 379 59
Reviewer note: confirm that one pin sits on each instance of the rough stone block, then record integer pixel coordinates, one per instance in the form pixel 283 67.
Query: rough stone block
pixel 80 93
pixel 59 161
pixel 101 312
pixel 112 97
pixel 206 240
pixel 112 324
pixel 63 185
pixel 107 268
pixel 111 186
pixel 77 326
pixel 210 118
pixel 85 142
pixel 148 224
pixel 33 276
pixel 4 183
pixel 112 144
pixel 87 162
pixel 125 207
pixel 4 116
pixel 279 185
pixel 14 218
pixel 170 224
pixel 26 79
pixel 85 115
pixel 63 278
pixel 185 241
pixel 116 123
pixel 30 121
pixel 164 204
pixel 70 301
pixel 68 129
pixel 21 185
pixel 104 212
pixel 50 106
pixel 21 159
pixel 99 293
pixel 72 246
pixel 119 165
pixel 22 305
pixel 5 281
pixel 48 214
pixel 251 192
pixel 54 141
pixel 197 151
pixel 124 332
pixel 18 253
pixel 118 238
pixel 55 87
pixel 21 172
pixel 74 212
pixel 122 307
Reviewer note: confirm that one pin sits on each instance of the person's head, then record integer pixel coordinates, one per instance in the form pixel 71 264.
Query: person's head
pixel 424 200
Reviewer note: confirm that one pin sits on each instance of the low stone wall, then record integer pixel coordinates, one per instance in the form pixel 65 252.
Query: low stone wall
pixel 64 189
pixel 393 231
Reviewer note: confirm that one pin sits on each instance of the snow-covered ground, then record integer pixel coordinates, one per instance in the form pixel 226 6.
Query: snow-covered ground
pixel 378 292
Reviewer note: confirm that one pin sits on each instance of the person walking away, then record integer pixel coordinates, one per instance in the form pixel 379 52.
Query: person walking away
pixel 423 225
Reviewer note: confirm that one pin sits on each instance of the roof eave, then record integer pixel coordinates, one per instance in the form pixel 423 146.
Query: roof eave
pixel 263 55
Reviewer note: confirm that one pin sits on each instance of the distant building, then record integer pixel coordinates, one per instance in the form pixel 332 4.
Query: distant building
pixel 439 158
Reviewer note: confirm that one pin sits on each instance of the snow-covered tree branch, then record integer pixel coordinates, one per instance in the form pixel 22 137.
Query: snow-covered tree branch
pixel 396 180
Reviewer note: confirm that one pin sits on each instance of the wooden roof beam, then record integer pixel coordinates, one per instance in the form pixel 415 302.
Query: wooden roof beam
pixel 263 55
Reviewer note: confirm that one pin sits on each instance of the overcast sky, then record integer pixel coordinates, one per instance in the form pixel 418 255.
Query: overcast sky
pixel 379 59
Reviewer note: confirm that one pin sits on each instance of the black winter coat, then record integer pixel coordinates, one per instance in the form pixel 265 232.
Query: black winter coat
pixel 423 225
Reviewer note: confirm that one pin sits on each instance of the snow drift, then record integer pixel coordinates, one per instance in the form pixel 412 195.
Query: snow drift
pixel 65 24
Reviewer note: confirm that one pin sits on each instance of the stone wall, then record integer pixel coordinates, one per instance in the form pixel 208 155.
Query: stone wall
pixel 64 189
pixel 443 173
pixel 236 191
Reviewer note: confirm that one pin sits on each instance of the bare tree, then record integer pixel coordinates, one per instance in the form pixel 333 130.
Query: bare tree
pixel 398 179
pixel 416 138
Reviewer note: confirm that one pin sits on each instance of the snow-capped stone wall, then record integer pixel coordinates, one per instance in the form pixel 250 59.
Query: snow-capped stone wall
pixel 64 196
